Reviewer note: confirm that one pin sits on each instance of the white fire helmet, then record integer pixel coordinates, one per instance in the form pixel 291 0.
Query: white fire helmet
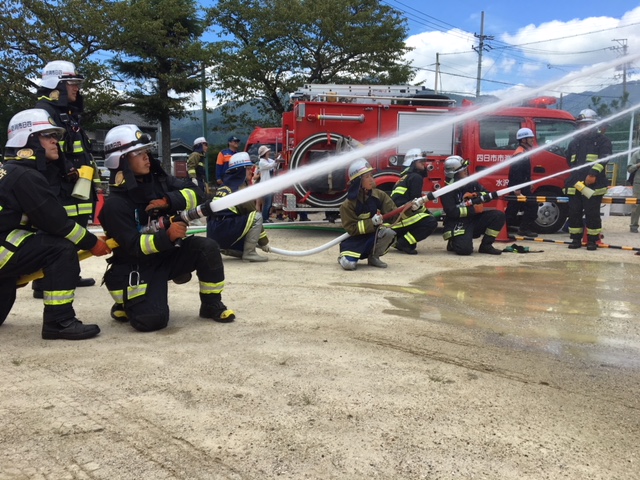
pixel 58 71
pixel 455 164
pixel 199 140
pixel 587 116
pixel 359 168
pixel 121 140
pixel 411 156
pixel 240 159
pixel 27 122
pixel 524 133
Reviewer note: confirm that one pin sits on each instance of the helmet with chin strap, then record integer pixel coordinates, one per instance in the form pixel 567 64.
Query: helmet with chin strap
pixel 455 164
pixel 359 168
pixel 412 155
pixel 587 116
pixel 121 140
pixel 240 159
pixel 524 133
pixel 26 123
pixel 59 71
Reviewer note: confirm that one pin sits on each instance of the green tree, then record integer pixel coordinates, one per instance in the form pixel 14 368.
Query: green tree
pixel 159 55
pixel 272 47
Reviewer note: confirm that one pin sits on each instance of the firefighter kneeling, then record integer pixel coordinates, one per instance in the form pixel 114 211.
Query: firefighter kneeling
pixel 147 256
pixel 28 205
pixel 464 220
pixel 361 215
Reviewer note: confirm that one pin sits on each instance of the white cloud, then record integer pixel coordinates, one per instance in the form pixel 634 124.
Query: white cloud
pixel 532 56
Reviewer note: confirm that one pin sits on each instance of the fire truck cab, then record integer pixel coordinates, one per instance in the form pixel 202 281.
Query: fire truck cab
pixel 329 119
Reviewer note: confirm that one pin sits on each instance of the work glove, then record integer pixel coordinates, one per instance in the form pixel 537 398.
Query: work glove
pixel 590 180
pixel 100 248
pixel 194 181
pixel 265 248
pixel 478 208
pixel 377 219
pixel 176 231
pixel 157 204
pixel 417 203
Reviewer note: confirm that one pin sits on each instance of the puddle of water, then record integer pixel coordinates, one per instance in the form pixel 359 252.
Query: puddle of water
pixel 564 308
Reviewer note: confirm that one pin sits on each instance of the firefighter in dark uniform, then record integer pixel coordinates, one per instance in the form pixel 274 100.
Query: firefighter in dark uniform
pixel 239 229
pixel 195 163
pixel 586 147
pixel 416 223
pixel 59 94
pixel 463 221
pixel 362 217
pixel 28 205
pixel 136 214
pixel 520 172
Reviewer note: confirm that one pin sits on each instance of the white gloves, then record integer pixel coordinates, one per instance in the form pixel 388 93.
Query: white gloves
pixel 265 248
pixel 377 219
pixel 417 203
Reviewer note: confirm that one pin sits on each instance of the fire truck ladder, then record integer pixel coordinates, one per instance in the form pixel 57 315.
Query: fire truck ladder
pixel 332 92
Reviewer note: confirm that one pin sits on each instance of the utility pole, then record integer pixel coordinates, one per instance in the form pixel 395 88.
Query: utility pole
pixel 622 46
pixel 480 48
pixel 204 118
pixel 435 89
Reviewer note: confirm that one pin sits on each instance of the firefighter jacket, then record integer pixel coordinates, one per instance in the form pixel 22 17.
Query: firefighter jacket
pixel 588 147
pixel 75 146
pixel 195 166
pixel 408 188
pixel 458 216
pixel 356 214
pixel 520 171
pixel 139 236
pixel 27 204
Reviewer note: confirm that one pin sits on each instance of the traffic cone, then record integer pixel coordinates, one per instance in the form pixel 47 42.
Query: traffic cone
pixel 99 205
pixel 503 236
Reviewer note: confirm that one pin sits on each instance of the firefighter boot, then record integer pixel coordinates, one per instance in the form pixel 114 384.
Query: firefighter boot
pixel 591 242
pixel 232 253
pixel 251 241
pixel 386 236
pixel 576 241
pixel 486 246
pixel 70 329
pixel 347 264
pixel 217 311
pixel 118 313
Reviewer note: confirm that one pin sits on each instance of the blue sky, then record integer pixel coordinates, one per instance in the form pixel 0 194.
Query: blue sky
pixel 533 43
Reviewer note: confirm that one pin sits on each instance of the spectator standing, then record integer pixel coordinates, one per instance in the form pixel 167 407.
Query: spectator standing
pixel 222 162
pixel 266 167
pixel 195 163
pixel 635 183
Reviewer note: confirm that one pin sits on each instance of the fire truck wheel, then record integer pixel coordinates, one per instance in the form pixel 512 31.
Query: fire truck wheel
pixel 551 215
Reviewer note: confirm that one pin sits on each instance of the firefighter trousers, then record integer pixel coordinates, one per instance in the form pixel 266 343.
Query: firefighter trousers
pixel 487 225
pixel 142 289
pixel 58 259
pixel 580 205
pixel 414 229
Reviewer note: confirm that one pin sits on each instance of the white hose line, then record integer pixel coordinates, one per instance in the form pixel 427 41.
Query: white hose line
pixel 304 253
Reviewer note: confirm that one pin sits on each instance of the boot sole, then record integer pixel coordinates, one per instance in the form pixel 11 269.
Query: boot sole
pixel 66 336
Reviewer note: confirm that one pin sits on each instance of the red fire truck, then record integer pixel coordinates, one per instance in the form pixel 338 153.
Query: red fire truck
pixel 328 119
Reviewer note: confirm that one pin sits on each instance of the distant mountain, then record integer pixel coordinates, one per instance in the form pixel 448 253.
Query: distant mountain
pixel 574 102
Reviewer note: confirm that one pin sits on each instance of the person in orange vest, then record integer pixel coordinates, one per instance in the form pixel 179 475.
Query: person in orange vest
pixel 222 162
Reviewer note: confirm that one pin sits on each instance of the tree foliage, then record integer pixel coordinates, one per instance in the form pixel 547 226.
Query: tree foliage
pixel 159 56
pixel 272 47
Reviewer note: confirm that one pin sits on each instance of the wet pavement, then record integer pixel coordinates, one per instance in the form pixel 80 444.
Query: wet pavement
pixel 584 310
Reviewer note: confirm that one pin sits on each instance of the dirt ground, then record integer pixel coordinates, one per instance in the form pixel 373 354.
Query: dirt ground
pixel 327 374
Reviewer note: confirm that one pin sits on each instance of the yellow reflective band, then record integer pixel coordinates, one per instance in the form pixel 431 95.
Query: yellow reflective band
pixel 148 244
pixel 491 233
pixel 85 208
pixel 599 167
pixel 15 238
pixel 191 171
pixel 58 297
pixel 349 254
pixel 190 197
pixel 410 238
pixel 399 190
pixel 136 291
pixel 362 227
pixel 591 157
pixel 209 288
pixel 77 147
pixel 72 210
pixel 464 212
pixel 76 234
pixel 117 295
